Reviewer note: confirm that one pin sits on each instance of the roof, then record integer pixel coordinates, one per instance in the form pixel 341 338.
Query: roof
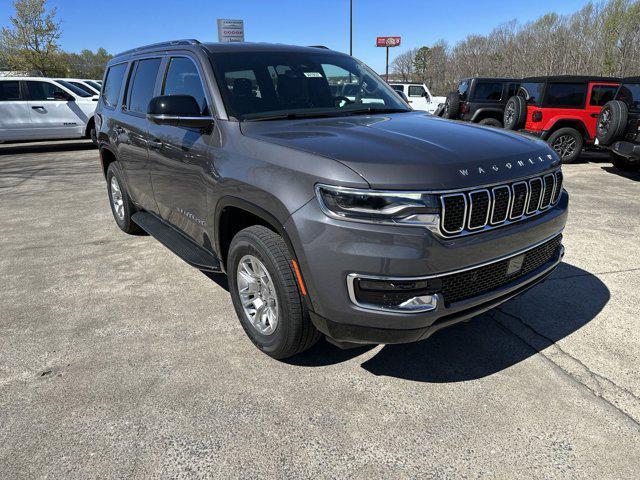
pixel 631 80
pixel 571 78
pixel 493 79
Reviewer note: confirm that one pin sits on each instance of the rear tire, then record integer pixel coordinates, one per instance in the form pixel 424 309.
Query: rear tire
pixel 612 122
pixel 567 143
pixel 452 106
pixel 490 122
pixel 273 288
pixel 121 205
pixel 623 163
pixel 515 113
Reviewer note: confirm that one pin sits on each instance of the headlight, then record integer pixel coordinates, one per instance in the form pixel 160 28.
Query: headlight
pixel 379 206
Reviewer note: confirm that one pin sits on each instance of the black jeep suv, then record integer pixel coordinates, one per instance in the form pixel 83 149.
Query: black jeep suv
pixel 480 100
pixel 618 126
pixel 353 217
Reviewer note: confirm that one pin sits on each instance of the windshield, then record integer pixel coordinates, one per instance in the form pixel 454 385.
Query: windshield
pixel 531 92
pixel 630 94
pixel 257 85
pixel 74 89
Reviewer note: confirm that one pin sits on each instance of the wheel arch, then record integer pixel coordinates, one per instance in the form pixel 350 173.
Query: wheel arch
pixel 574 123
pixel 483 113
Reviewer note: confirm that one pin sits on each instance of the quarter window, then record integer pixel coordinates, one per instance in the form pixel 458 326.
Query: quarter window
pixel 113 83
pixel 488 91
pixel 601 94
pixel 9 90
pixel 42 91
pixel 183 79
pixel 568 95
pixel 144 81
pixel 416 91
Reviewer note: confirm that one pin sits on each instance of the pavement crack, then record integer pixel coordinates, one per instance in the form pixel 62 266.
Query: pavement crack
pixel 617 397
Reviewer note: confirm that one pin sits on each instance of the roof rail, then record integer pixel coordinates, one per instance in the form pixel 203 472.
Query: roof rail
pixel 318 46
pixel 171 43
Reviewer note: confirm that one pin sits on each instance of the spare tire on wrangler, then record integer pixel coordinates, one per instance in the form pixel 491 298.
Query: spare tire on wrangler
pixel 452 105
pixel 612 122
pixel 515 113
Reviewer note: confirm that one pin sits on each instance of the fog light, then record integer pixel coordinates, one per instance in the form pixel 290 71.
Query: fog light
pixel 396 295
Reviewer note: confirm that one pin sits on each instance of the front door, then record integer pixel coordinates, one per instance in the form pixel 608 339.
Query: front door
pixel 180 157
pixel 418 98
pixel 54 112
pixel 15 123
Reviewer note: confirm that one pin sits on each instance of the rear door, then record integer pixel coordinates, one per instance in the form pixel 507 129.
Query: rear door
pixel 599 94
pixel 54 112
pixel 15 122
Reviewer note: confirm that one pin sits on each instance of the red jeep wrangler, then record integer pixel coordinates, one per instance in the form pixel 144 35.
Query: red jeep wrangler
pixel 562 110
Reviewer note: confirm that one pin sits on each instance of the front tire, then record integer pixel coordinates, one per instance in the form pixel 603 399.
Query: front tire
pixel 265 294
pixel 567 142
pixel 121 205
pixel 490 122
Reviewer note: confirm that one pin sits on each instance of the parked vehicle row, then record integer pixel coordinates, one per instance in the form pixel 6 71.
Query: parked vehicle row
pixel 37 108
pixel 418 96
pixel 332 212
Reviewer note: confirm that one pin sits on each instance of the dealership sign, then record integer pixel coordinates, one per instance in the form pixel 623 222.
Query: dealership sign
pixel 387 41
pixel 230 30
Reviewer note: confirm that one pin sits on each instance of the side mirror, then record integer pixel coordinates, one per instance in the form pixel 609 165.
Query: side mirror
pixel 177 110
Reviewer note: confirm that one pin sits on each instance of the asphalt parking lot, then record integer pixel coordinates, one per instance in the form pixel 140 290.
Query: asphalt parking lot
pixel 117 360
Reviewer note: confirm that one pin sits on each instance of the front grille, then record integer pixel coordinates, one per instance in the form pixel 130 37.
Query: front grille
pixel 477 210
pixel 471 283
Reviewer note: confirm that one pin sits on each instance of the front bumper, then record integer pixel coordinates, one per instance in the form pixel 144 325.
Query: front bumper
pixel 329 250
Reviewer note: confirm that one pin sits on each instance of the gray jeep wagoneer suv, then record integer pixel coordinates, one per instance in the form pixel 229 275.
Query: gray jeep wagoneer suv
pixel 348 215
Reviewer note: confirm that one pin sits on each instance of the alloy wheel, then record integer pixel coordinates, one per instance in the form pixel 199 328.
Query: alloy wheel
pixel 116 198
pixel 564 145
pixel 257 294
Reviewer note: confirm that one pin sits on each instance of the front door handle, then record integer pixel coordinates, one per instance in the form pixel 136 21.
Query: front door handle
pixel 38 107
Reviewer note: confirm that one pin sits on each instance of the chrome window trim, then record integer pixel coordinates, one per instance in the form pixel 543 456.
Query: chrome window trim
pixel 544 191
pixel 558 184
pixel 537 209
pixel 486 220
pixel 493 204
pixel 443 214
pixel 526 200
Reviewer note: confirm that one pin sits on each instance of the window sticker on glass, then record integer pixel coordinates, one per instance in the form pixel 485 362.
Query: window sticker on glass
pixel 313 74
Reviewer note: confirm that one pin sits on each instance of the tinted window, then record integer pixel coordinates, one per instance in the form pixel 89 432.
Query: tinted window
pixel 183 79
pixel 81 92
pixel 601 94
pixel 565 95
pixel 43 90
pixel 488 91
pixel 630 94
pixel 93 84
pixel 531 92
pixel 83 87
pixel 416 91
pixel 399 88
pixel 513 88
pixel 9 90
pixel 112 84
pixel 463 88
pixel 144 81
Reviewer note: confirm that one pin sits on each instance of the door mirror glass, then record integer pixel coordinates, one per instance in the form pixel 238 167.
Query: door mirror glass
pixel 178 110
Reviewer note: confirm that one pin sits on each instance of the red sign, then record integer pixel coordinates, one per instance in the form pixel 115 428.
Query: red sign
pixel 387 41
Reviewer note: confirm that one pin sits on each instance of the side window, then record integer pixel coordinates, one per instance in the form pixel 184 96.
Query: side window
pixel 416 91
pixel 601 94
pixel 112 84
pixel 183 79
pixel 9 90
pixel 42 91
pixel 142 85
pixel 488 91
pixel 512 89
pixel 568 95
pixel 399 88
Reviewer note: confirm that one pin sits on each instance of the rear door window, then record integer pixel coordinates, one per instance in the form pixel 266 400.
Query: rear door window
pixel 566 95
pixel 43 91
pixel 601 94
pixel 113 83
pixel 488 91
pixel 9 90
pixel 531 92
pixel 416 91
pixel 182 78
pixel 142 86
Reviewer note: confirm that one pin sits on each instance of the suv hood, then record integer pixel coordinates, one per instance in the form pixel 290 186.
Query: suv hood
pixel 412 150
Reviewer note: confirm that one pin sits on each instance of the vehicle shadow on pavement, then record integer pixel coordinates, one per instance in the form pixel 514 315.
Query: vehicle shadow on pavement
pixel 501 338
pixel 635 176
pixel 44 147
pixel 487 344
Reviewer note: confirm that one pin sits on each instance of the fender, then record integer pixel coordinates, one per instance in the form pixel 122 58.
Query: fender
pixel 484 110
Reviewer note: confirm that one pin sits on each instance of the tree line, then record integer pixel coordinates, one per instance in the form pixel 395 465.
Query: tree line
pixel 30 45
pixel 599 39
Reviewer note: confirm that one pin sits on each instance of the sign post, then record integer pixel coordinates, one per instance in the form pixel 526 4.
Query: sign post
pixel 230 30
pixel 387 42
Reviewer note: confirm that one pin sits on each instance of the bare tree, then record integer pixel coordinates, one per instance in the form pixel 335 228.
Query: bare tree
pixel 403 65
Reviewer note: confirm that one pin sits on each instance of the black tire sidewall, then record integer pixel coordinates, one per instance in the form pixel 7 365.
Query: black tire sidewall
pixel 453 101
pixel 126 224
pixel 520 113
pixel 491 122
pixel 245 245
pixel 579 142
pixel 617 122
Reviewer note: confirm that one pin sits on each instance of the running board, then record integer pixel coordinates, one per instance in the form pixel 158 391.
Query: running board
pixel 177 242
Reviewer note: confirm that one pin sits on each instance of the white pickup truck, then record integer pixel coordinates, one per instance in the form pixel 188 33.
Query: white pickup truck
pixel 419 96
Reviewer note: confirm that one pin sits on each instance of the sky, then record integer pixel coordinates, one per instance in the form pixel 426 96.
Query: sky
pixel 118 25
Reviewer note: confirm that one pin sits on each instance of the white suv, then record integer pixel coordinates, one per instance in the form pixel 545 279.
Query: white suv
pixel 419 96
pixel 36 108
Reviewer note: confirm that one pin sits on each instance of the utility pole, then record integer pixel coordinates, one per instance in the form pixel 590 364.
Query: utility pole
pixel 351 27
pixel 386 71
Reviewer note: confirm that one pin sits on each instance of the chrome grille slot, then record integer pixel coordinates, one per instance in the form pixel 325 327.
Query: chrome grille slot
pixel 501 200
pixel 535 192
pixel 558 189
pixel 548 181
pixel 479 203
pixel 471 211
pixel 454 212
pixel 520 192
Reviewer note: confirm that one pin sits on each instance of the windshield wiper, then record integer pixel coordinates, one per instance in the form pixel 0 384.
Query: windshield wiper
pixel 375 110
pixel 291 116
